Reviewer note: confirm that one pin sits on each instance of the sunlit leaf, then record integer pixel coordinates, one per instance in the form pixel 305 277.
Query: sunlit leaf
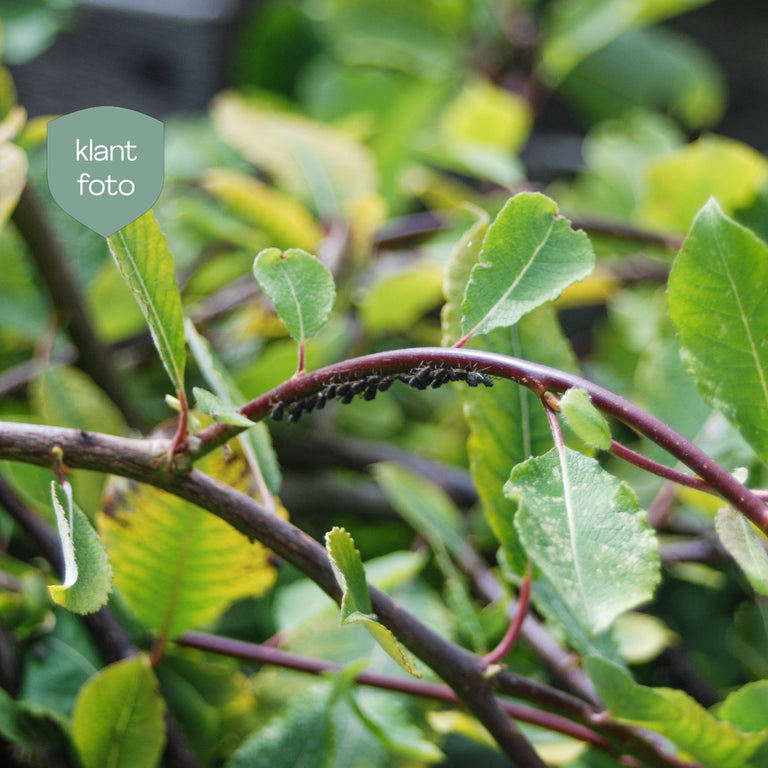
pixel 142 256
pixel 585 531
pixel 319 165
pixel 675 715
pixel 398 300
pixel 680 183
pixel 284 220
pixel 356 601
pixel 176 565
pixel 118 719
pixel 13 177
pixel 529 255
pixel 746 708
pixel 718 303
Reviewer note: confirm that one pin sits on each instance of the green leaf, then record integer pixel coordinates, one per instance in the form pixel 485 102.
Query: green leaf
pixel 576 28
pixel 397 301
pixel 356 601
pixel 388 720
pixel 176 565
pixel 312 161
pixel 464 256
pixel 653 69
pixel 745 545
pixel 301 288
pixel 584 419
pixel 302 737
pixel 747 707
pixel 585 531
pixel 13 177
pixel 717 301
pixel 256 442
pixel 64 396
pixel 208 403
pixel 430 512
pixel 680 183
pixel 675 715
pixel 87 570
pixel 507 424
pixel 286 221
pixel 118 720
pixel 142 256
pixel 529 255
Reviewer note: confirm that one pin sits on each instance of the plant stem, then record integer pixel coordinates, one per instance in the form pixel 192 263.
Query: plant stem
pixel 142 460
pixel 539 378
pixel 420 688
pixel 510 637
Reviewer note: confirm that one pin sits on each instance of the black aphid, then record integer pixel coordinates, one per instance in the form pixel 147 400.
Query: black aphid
pixel 277 412
pixel 385 384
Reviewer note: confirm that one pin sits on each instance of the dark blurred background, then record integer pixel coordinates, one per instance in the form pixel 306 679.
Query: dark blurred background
pixel 162 57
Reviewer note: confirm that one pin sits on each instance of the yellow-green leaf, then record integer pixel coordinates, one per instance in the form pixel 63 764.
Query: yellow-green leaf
pixel 118 719
pixel 356 601
pixel 286 221
pixel 679 183
pixel 176 565
pixel 142 256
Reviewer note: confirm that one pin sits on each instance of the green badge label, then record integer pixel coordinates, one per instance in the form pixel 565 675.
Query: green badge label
pixel 105 165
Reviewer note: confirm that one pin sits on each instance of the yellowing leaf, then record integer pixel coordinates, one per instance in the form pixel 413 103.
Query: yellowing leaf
pixel 312 161
pixel 285 220
pixel 176 565
pixel 484 114
pixel 398 300
pixel 678 184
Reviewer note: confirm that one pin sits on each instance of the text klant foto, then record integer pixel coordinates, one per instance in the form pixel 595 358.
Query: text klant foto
pixel 90 152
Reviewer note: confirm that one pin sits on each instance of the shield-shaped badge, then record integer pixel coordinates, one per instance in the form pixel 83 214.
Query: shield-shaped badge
pixel 105 165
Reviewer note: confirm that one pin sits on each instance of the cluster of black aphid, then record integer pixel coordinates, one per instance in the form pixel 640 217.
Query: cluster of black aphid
pixel 369 386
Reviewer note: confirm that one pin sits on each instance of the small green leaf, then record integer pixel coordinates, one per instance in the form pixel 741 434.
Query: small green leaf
pixel 585 531
pixel 716 295
pixel 208 403
pixel 584 419
pixel 256 442
pixel 87 570
pixel 118 720
pixel 529 256
pixel 142 256
pixel 745 546
pixel 301 288
pixel 356 600
pixel 674 715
